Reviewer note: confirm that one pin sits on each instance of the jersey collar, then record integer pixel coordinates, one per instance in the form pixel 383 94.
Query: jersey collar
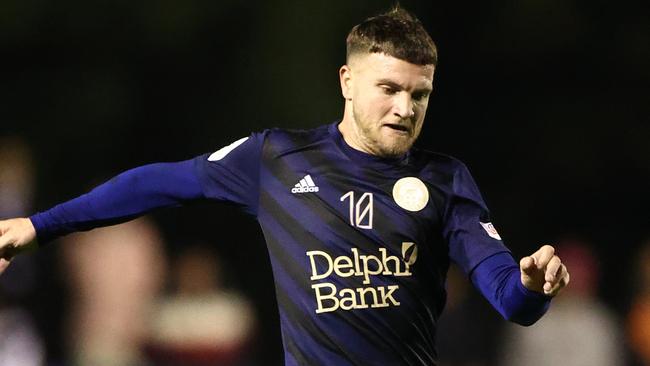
pixel 362 157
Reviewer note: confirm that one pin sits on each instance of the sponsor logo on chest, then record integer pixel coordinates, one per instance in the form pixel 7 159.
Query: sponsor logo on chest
pixel 330 298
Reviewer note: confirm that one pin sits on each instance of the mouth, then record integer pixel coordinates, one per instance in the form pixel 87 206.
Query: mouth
pixel 397 127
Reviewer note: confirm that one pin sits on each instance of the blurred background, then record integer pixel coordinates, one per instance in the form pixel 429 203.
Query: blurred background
pixel 547 102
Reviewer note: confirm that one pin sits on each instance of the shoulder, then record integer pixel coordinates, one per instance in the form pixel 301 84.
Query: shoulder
pixel 282 140
pixel 310 134
pixel 438 163
pixel 278 139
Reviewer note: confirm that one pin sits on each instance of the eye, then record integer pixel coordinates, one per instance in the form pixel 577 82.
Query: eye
pixel 420 96
pixel 388 90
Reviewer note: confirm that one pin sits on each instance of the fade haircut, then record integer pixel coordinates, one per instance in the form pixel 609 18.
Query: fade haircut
pixel 395 33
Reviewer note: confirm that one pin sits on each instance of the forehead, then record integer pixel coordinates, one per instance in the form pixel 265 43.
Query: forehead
pixel 382 66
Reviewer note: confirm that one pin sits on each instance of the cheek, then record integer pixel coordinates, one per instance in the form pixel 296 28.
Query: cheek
pixel 370 105
pixel 379 105
pixel 420 111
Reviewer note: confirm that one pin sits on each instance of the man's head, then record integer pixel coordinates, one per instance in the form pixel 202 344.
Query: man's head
pixel 386 83
pixel 396 33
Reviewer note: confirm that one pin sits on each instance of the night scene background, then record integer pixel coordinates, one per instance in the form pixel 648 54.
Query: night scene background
pixel 547 102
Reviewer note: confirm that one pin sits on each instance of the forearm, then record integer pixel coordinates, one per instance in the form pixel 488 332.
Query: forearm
pixel 498 278
pixel 124 197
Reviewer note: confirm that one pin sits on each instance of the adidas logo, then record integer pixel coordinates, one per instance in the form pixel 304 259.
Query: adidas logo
pixel 305 185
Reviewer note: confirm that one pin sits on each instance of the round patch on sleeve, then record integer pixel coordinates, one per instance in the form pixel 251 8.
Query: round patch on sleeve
pixel 411 194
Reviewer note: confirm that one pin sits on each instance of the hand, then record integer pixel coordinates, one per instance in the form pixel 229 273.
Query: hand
pixel 16 236
pixel 544 272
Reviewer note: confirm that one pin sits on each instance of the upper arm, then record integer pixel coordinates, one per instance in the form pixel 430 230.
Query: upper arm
pixel 467 226
pixel 231 174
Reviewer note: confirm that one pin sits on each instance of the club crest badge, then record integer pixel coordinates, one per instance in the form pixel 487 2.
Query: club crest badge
pixel 411 194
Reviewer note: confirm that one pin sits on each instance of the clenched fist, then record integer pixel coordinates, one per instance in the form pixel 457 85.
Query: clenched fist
pixel 544 272
pixel 16 236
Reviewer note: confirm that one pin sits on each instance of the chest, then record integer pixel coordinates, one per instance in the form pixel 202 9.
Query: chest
pixel 333 198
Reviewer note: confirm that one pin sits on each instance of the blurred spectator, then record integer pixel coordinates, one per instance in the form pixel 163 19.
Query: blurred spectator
pixel 578 330
pixel 16 195
pixel 114 274
pixel 199 322
pixel 20 343
pixel 16 177
pixel 638 320
pixel 467 325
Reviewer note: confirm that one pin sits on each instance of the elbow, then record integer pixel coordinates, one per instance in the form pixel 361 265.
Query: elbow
pixel 525 321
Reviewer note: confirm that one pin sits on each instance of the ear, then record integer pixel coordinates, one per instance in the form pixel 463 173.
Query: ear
pixel 345 77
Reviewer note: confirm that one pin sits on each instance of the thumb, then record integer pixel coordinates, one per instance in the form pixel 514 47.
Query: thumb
pixel 527 265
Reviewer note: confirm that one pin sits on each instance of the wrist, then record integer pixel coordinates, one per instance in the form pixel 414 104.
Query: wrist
pixel 531 292
pixel 28 242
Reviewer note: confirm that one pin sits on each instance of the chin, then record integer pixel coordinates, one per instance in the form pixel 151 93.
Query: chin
pixel 394 151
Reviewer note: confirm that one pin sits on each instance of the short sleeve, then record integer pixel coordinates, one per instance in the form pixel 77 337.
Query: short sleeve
pixel 467 228
pixel 231 174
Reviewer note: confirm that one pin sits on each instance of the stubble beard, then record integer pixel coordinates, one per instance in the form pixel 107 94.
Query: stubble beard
pixel 370 137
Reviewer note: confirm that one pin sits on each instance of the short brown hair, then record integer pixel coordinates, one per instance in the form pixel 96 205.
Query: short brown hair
pixel 396 33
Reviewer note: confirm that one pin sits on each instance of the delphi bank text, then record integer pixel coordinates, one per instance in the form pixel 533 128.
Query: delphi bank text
pixel 330 298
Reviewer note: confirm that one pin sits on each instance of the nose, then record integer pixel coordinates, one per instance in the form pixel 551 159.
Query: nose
pixel 404 106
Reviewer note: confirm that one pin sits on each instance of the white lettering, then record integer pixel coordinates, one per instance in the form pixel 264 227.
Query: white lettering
pixel 357 267
pixel 366 269
pixel 366 266
pixel 338 266
pixel 385 296
pixel 362 296
pixel 349 302
pixel 320 297
pixel 327 257
pixel 328 299
pixel 361 212
pixel 304 189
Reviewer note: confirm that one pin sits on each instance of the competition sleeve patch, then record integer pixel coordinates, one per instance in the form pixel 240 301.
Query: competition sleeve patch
pixel 490 230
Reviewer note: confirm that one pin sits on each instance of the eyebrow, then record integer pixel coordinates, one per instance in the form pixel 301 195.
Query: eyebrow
pixel 395 85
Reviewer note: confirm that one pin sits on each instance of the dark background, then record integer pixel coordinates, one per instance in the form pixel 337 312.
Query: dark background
pixel 547 102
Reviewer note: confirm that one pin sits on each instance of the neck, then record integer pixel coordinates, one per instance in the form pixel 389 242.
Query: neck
pixel 348 129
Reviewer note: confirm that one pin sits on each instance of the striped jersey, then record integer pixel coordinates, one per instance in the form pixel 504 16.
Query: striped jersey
pixel 359 245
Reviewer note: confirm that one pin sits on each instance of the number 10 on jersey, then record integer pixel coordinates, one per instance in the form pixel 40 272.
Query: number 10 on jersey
pixel 360 210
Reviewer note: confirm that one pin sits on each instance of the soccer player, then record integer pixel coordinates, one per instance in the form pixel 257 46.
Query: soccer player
pixel 360 225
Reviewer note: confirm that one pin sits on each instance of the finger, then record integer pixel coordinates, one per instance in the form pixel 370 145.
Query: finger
pixel 553 290
pixel 552 269
pixel 562 282
pixel 5 240
pixel 551 280
pixel 527 265
pixel 543 256
pixel 540 250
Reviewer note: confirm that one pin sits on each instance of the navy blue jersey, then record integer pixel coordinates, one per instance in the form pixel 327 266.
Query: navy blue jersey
pixel 359 245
